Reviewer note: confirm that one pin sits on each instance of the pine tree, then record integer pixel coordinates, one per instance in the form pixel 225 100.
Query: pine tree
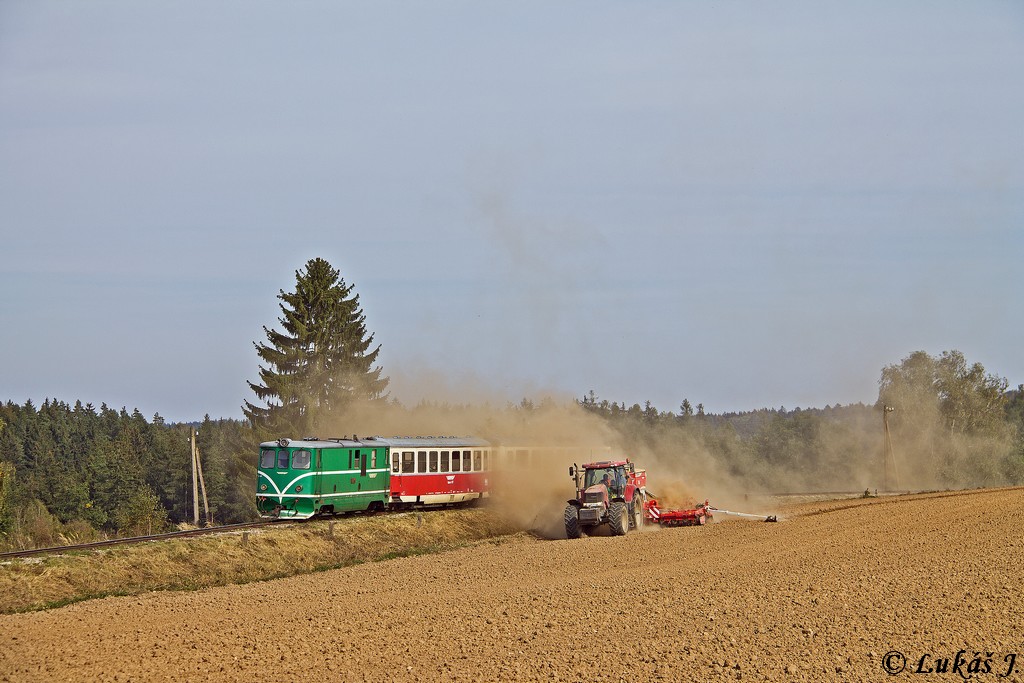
pixel 320 363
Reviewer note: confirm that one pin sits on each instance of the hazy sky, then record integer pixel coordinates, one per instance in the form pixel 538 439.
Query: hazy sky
pixel 745 204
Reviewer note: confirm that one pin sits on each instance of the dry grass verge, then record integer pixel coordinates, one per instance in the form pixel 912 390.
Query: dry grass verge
pixel 231 558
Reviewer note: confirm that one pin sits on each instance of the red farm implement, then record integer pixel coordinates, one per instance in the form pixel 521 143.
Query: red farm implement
pixel 697 516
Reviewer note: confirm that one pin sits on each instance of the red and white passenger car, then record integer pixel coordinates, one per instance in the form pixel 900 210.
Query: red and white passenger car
pixel 438 470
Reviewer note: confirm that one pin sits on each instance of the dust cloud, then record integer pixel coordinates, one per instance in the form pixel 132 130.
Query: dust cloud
pixel 534 447
pixel 686 462
pixel 536 444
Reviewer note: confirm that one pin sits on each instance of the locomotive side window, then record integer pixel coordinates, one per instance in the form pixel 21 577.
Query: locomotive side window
pixel 300 460
pixel 433 461
pixel 282 459
pixel 408 462
pixel 394 461
pixel 444 461
pixel 421 461
pixel 478 460
pixel 373 461
pixel 267 458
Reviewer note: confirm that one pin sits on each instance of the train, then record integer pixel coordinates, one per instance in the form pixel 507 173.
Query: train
pixel 302 478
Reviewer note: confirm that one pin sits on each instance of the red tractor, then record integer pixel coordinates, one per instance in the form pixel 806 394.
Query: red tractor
pixel 611 492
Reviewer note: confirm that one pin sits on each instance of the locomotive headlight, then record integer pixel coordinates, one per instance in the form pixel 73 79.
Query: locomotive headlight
pixel 298 489
pixel 263 487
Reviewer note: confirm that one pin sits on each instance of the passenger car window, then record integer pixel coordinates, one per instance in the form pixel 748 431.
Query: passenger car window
pixel 408 463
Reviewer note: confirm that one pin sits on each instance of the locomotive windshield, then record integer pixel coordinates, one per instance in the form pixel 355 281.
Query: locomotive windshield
pixel 300 460
pixel 267 458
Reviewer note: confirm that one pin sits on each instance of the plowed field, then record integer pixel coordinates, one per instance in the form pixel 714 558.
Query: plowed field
pixel 823 595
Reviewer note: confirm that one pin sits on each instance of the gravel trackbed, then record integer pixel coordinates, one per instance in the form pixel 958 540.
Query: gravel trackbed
pixel 836 591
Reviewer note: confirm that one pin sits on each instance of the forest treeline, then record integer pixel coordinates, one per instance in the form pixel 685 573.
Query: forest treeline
pixel 73 473
pixel 70 473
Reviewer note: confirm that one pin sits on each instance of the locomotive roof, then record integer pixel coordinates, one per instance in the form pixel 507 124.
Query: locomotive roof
pixel 317 442
pixel 377 441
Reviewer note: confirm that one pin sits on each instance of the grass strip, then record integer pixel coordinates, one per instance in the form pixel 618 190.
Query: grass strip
pixel 239 557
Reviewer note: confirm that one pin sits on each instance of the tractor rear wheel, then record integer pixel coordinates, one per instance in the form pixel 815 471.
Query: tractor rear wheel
pixel 618 518
pixel 572 522
pixel 637 520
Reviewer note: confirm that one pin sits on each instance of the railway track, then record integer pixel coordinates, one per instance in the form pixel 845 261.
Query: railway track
pixel 142 539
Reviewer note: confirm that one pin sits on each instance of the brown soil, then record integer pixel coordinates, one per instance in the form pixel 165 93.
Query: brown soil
pixel 820 596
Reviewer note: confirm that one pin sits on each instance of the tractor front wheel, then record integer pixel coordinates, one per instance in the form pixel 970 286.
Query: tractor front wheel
pixel 618 518
pixel 572 522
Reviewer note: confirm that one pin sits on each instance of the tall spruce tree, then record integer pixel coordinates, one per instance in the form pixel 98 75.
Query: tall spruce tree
pixel 320 363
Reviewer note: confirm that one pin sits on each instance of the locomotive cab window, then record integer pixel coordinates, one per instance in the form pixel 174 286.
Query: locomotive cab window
pixel 300 460
pixel 282 459
pixel 267 458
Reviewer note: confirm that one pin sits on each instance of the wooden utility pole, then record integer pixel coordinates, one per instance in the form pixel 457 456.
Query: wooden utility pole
pixel 888 459
pixel 195 480
pixel 197 483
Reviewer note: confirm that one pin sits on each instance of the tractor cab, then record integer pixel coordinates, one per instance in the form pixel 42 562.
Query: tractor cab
pixel 613 478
